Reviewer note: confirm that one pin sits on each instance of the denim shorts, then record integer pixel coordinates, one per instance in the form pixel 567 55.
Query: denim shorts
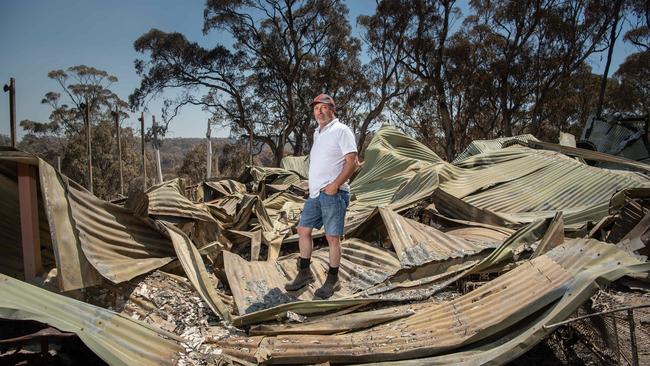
pixel 326 210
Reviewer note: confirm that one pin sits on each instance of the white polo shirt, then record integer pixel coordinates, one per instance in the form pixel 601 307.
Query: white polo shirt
pixel 327 156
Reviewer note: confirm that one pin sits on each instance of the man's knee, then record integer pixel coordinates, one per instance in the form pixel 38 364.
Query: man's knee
pixel 333 240
pixel 304 231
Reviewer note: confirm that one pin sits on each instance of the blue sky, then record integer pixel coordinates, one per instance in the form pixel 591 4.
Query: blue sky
pixel 43 35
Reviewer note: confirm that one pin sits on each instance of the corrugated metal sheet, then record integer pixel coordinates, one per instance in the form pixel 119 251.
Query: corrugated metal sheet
pixel 486 311
pixel 168 200
pixel 117 339
pixel 414 243
pixel 477 147
pixel 119 245
pixel 436 329
pixel 297 164
pixel 558 183
pixel 260 285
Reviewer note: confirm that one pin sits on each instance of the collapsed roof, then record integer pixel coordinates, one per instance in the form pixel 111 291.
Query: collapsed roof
pixel 416 224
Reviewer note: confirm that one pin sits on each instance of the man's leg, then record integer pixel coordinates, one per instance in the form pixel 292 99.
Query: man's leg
pixel 333 220
pixel 305 243
pixel 334 243
pixel 309 219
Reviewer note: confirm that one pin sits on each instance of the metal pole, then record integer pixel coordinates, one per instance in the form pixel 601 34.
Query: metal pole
pixel 89 147
pixel 144 162
pixel 119 148
pixel 157 150
pixel 58 163
pixel 11 88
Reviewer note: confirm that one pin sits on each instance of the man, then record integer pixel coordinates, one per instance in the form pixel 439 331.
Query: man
pixel 332 160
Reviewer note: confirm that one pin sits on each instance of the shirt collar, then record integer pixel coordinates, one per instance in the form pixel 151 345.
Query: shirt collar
pixel 327 126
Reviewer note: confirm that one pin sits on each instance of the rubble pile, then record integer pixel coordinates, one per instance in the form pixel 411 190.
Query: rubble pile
pixel 470 262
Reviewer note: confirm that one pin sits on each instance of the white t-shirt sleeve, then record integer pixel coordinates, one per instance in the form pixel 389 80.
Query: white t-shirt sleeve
pixel 347 142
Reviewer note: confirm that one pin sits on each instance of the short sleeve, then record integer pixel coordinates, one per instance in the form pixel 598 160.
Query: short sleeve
pixel 347 142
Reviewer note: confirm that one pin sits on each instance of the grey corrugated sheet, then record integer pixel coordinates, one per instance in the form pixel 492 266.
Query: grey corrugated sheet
pixel 260 285
pixel 497 306
pixel 482 146
pixel 296 164
pixel 119 245
pixel 167 199
pixel 85 229
pixel 414 243
pixel 558 183
pixel 117 339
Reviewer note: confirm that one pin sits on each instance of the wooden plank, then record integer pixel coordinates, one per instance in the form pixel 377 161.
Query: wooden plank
pixel 29 221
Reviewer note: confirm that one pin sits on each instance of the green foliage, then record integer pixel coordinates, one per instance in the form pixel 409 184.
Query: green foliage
pixel 64 135
pixel 505 67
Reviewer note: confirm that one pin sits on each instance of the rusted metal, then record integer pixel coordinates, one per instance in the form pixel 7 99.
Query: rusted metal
pixel 29 221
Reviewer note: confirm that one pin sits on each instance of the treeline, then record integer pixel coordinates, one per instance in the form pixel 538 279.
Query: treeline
pixel 443 73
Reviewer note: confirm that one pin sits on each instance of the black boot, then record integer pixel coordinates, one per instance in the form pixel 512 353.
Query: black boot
pixel 330 286
pixel 303 278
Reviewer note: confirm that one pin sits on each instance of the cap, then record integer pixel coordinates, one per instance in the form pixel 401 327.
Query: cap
pixel 323 98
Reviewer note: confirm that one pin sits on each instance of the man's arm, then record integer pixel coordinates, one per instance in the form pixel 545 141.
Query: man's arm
pixel 351 164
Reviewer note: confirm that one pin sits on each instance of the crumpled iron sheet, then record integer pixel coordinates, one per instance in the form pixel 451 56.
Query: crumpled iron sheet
pixel 258 286
pixel 558 183
pixel 503 304
pixel 482 146
pixel 296 164
pixel 119 244
pixel 225 187
pixel 117 339
pixel 517 183
pixel 87 231
pixel 167 200
pixel 590 262
pixel 195 270
pixel 414 243
pixel 59 247
pixel 74 270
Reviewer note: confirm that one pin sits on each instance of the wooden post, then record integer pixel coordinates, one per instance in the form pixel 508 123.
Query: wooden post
pixel 29 221
pixel 11 88
pixel 208 174
pixel 58 163
pixel 89 148
pixel 144 160
pixel 116 114
pixel 156 148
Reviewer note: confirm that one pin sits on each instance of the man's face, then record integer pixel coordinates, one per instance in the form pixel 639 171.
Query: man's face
pixel 323 112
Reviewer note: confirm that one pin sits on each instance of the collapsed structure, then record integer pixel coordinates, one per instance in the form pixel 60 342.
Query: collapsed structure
pixel 176 275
